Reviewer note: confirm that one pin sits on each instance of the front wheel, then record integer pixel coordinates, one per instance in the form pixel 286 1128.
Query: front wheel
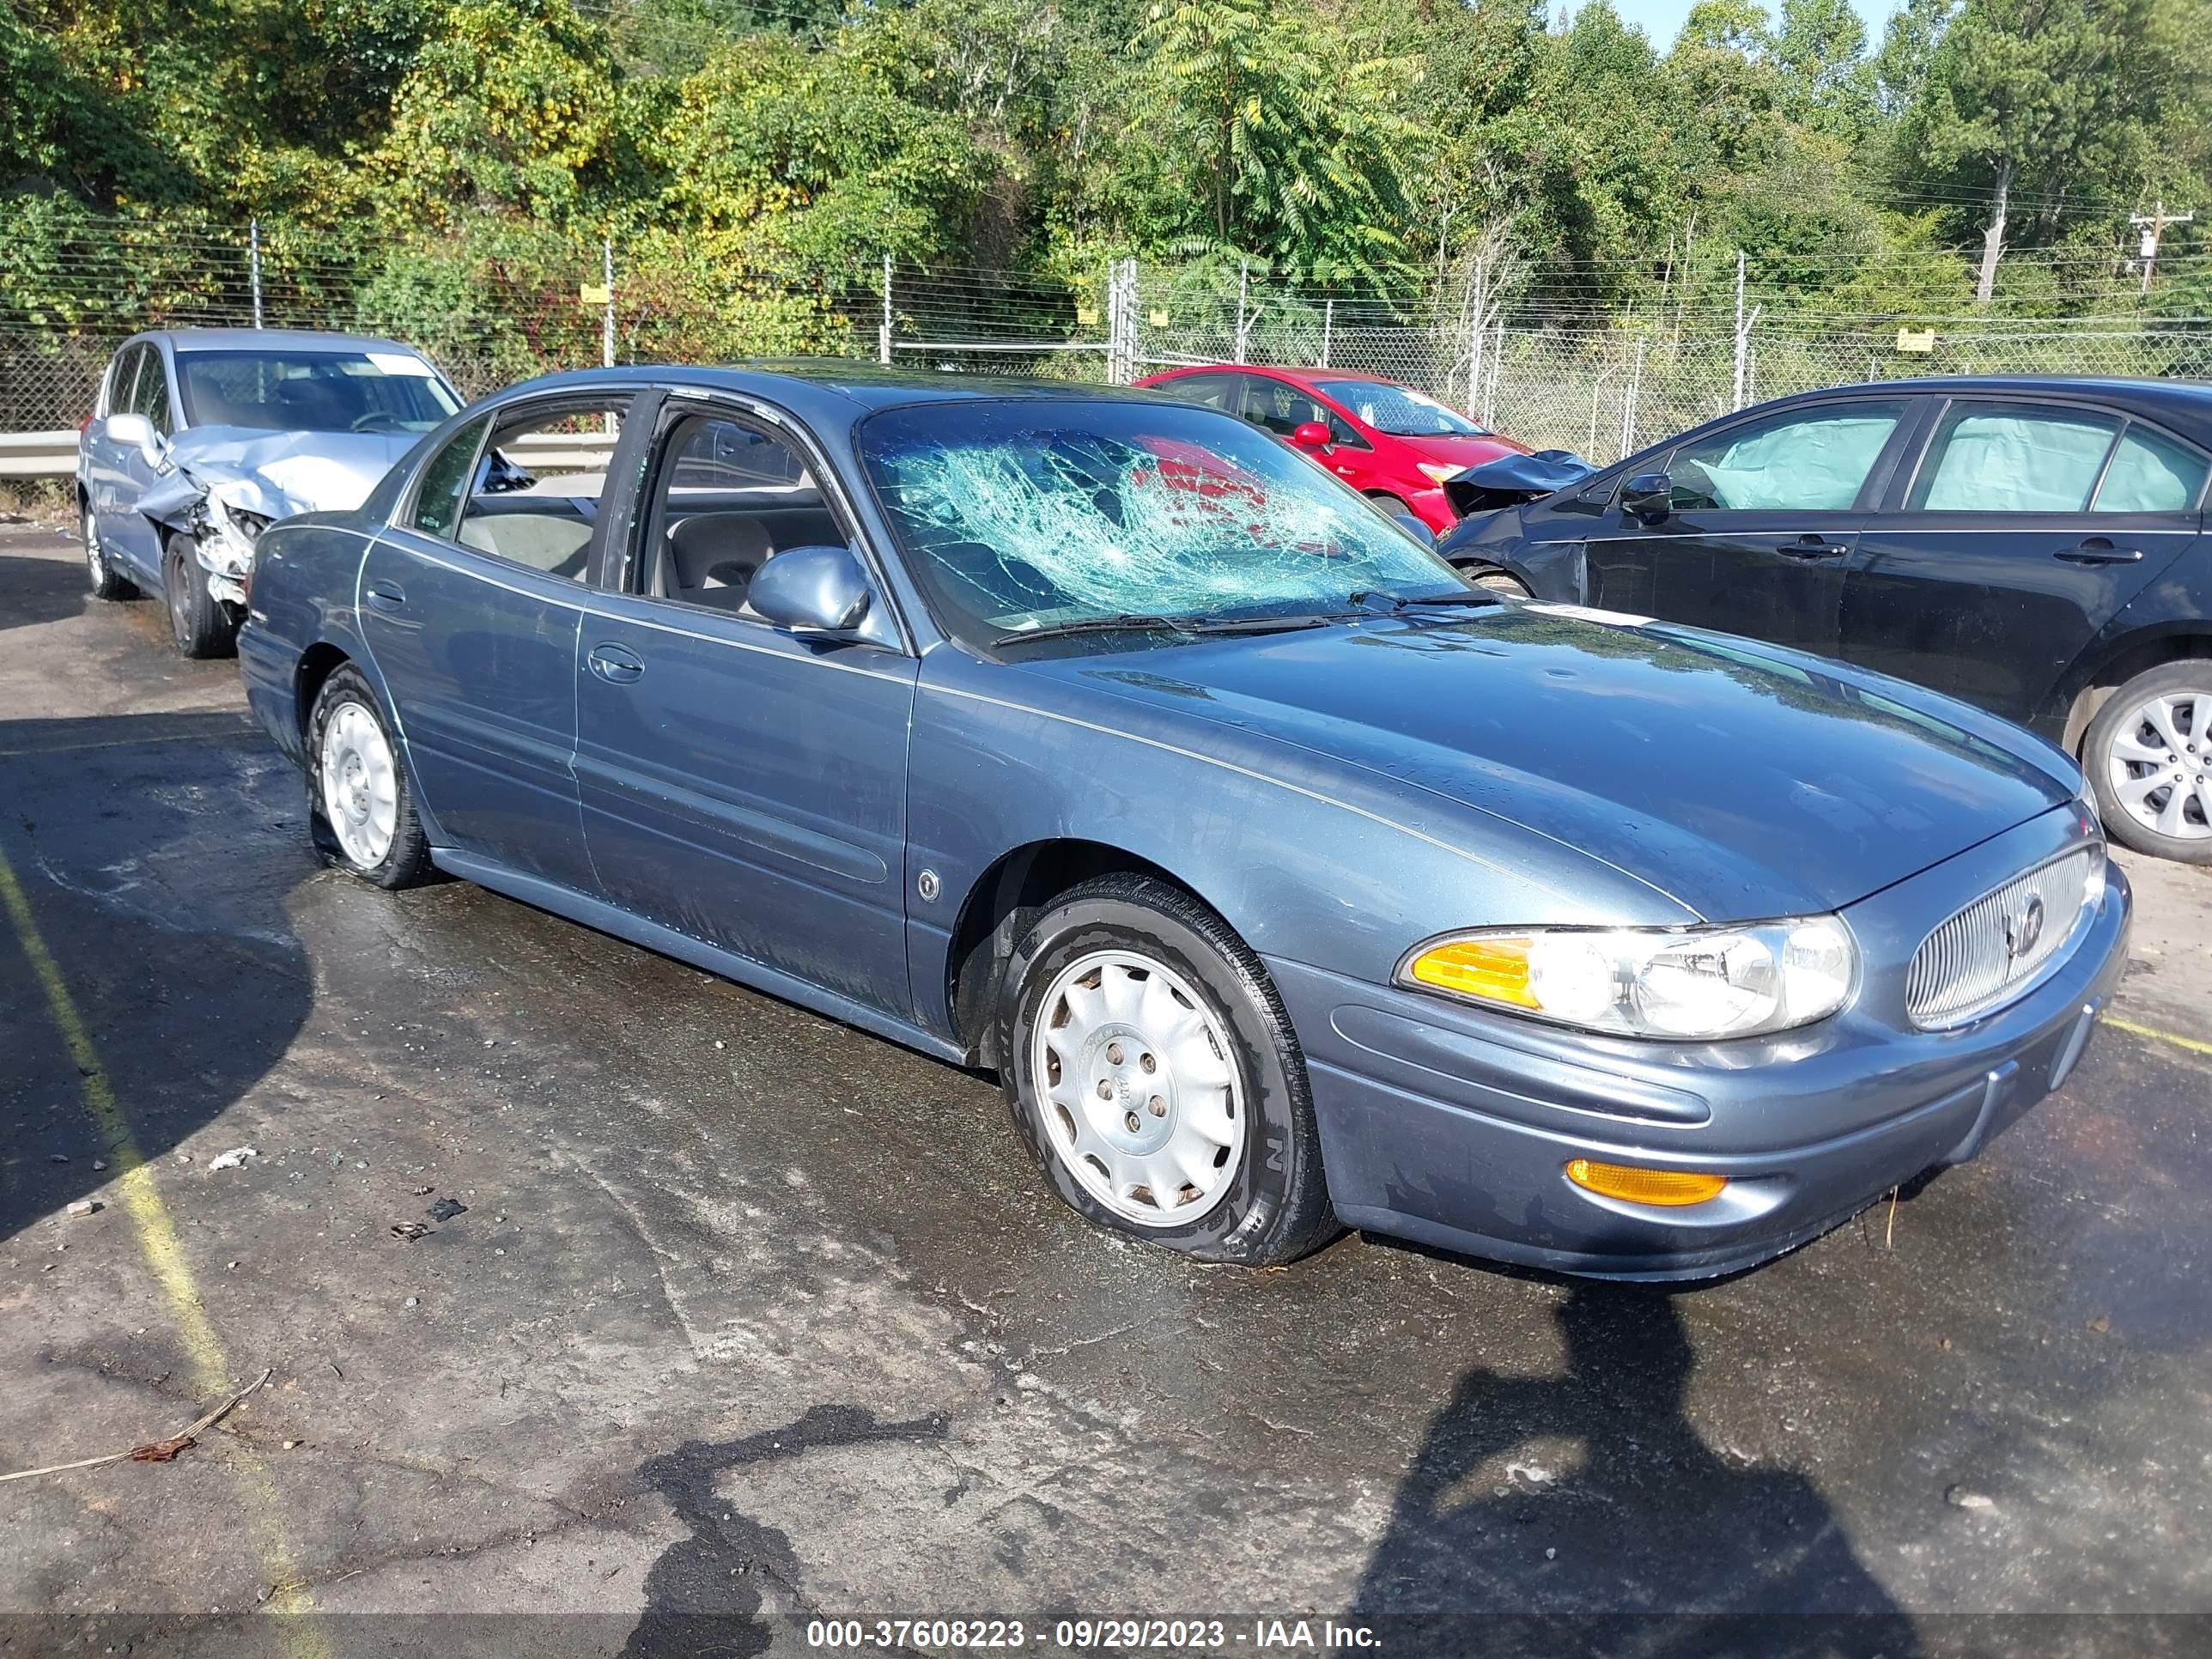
pixel 364 811
pixel 198 622
pixel 2149 757
pixel 1153 1072
pixel 1497 581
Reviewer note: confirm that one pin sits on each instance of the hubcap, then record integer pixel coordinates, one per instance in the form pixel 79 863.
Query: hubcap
pixel 2160 768
pixel 1142 1103
pixel 360 789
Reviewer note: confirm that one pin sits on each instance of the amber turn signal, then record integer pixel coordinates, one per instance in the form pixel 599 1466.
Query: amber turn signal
pixel 1669 1189
pixel 1494 969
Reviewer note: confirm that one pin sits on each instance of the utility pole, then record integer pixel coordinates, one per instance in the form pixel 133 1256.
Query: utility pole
pixel 2152 224
pixel 253 245
pixel 883 328
pixel 607 322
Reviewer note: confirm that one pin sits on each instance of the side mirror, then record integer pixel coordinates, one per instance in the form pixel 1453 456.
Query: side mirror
pixel 137 432
pixel 1648 497
pixel 1310 434
pixel 1411 525
pixel 811 590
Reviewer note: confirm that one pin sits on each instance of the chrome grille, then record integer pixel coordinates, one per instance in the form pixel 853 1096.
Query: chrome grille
pixel 1989 953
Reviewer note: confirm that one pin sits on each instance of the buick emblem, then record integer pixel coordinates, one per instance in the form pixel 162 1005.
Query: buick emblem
pixel 2021 932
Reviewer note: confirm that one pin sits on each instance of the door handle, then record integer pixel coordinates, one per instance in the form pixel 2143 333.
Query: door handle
pixel 617 664
pixel 2098 550
pixel 1812 547
pixel 386 596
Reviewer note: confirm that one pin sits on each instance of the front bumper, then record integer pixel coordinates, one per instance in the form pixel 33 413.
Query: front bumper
pixel 1444 1123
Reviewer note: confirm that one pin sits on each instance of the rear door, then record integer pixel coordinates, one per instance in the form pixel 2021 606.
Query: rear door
pixel 473 603
pixel 1764 516
pixel 741 784
pixel 2024 528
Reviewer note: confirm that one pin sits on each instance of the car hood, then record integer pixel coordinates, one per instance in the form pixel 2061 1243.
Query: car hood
pixel 276 474
pixel 1741 780
pixel 1465 451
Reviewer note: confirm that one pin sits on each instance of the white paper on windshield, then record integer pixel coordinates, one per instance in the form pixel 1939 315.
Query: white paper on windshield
pixel 1588 613
pixel 402 362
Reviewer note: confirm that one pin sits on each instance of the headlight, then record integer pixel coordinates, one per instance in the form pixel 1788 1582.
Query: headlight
pixel 1435 472
pixel 1694 983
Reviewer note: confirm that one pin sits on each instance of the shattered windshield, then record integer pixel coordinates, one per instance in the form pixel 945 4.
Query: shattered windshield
pixel 1022 515
pixel 1401 411
pixel 312 391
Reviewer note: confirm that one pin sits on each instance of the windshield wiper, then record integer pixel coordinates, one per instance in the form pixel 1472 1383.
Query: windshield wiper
pixel 1136 623
pixel 1398 602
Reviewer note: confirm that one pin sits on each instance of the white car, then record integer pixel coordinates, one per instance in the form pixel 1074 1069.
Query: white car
pixel 201 438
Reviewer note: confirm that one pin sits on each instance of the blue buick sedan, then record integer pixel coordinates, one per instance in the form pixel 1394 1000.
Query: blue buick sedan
pixel 1286 880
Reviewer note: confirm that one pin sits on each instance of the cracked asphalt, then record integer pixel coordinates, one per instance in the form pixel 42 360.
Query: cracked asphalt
pixel 749 1318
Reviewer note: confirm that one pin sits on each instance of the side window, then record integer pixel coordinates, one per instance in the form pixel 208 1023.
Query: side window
pixel 2152 473
pixel 1215 390
pixel 2004 458
pixel 151 396
pixel 1278 407
pixel 1811 460
pixel 534 500
pixel 726 497
pixel 1340 432
pixel 438 493
pixel 122 379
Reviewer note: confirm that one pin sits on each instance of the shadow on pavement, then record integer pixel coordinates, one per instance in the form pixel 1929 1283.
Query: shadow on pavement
pixel 40 591
pixel 154 853
pixel 706 1594
pixel 1588 1504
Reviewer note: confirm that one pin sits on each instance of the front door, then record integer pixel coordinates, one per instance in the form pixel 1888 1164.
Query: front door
pixel 2024 530
pixel 740 784
pixel 1763 517
pixel 471 605
pixel 128 531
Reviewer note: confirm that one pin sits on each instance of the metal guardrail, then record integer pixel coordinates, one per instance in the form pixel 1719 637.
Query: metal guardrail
pixel 38 454
pixel 53 454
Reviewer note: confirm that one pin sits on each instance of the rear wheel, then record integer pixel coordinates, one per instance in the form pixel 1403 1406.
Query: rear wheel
pixel 1152 1069
pixel 364 811
pixel 199 623
pixel 2149 757
pixel 104 582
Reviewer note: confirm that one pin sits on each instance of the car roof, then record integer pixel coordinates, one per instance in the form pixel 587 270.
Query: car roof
pixel 865 385
pixel 2186 405
pixel 272 339
pixel 1306 377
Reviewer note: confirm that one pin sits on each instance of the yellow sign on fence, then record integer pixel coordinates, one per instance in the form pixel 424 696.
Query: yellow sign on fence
pixel 1909 339
pixel 596 294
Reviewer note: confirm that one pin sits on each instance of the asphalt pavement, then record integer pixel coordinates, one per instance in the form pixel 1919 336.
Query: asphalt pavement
pixel 727 1310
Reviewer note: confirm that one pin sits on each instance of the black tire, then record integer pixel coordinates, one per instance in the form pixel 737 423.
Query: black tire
pixel 100 575
pixel 2122 717
pixel 1498 581
pixel 200 625
pixel 406 862
pixel 1275 1207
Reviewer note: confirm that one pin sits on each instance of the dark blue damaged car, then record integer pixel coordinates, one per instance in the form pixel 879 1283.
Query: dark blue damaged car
pixel 1288 881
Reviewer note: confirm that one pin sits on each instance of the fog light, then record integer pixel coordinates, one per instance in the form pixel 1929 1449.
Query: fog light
pixel 1670 1188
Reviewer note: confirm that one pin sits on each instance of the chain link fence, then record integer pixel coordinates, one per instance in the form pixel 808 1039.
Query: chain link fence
pixel 1554 378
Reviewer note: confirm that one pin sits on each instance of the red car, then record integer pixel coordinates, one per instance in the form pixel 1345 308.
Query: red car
pixel 1381 438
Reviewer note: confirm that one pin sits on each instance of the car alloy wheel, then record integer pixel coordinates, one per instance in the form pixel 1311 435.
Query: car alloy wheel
pixel 2160 764
pixel 1143 1105
pixel 360 784
pixel 95 561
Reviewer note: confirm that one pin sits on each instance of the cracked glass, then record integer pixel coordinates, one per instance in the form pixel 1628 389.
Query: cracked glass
pixel 1019 515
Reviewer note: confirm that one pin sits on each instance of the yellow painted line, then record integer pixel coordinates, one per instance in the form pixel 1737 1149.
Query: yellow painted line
pixel 157 1243
pixel 2195 1046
